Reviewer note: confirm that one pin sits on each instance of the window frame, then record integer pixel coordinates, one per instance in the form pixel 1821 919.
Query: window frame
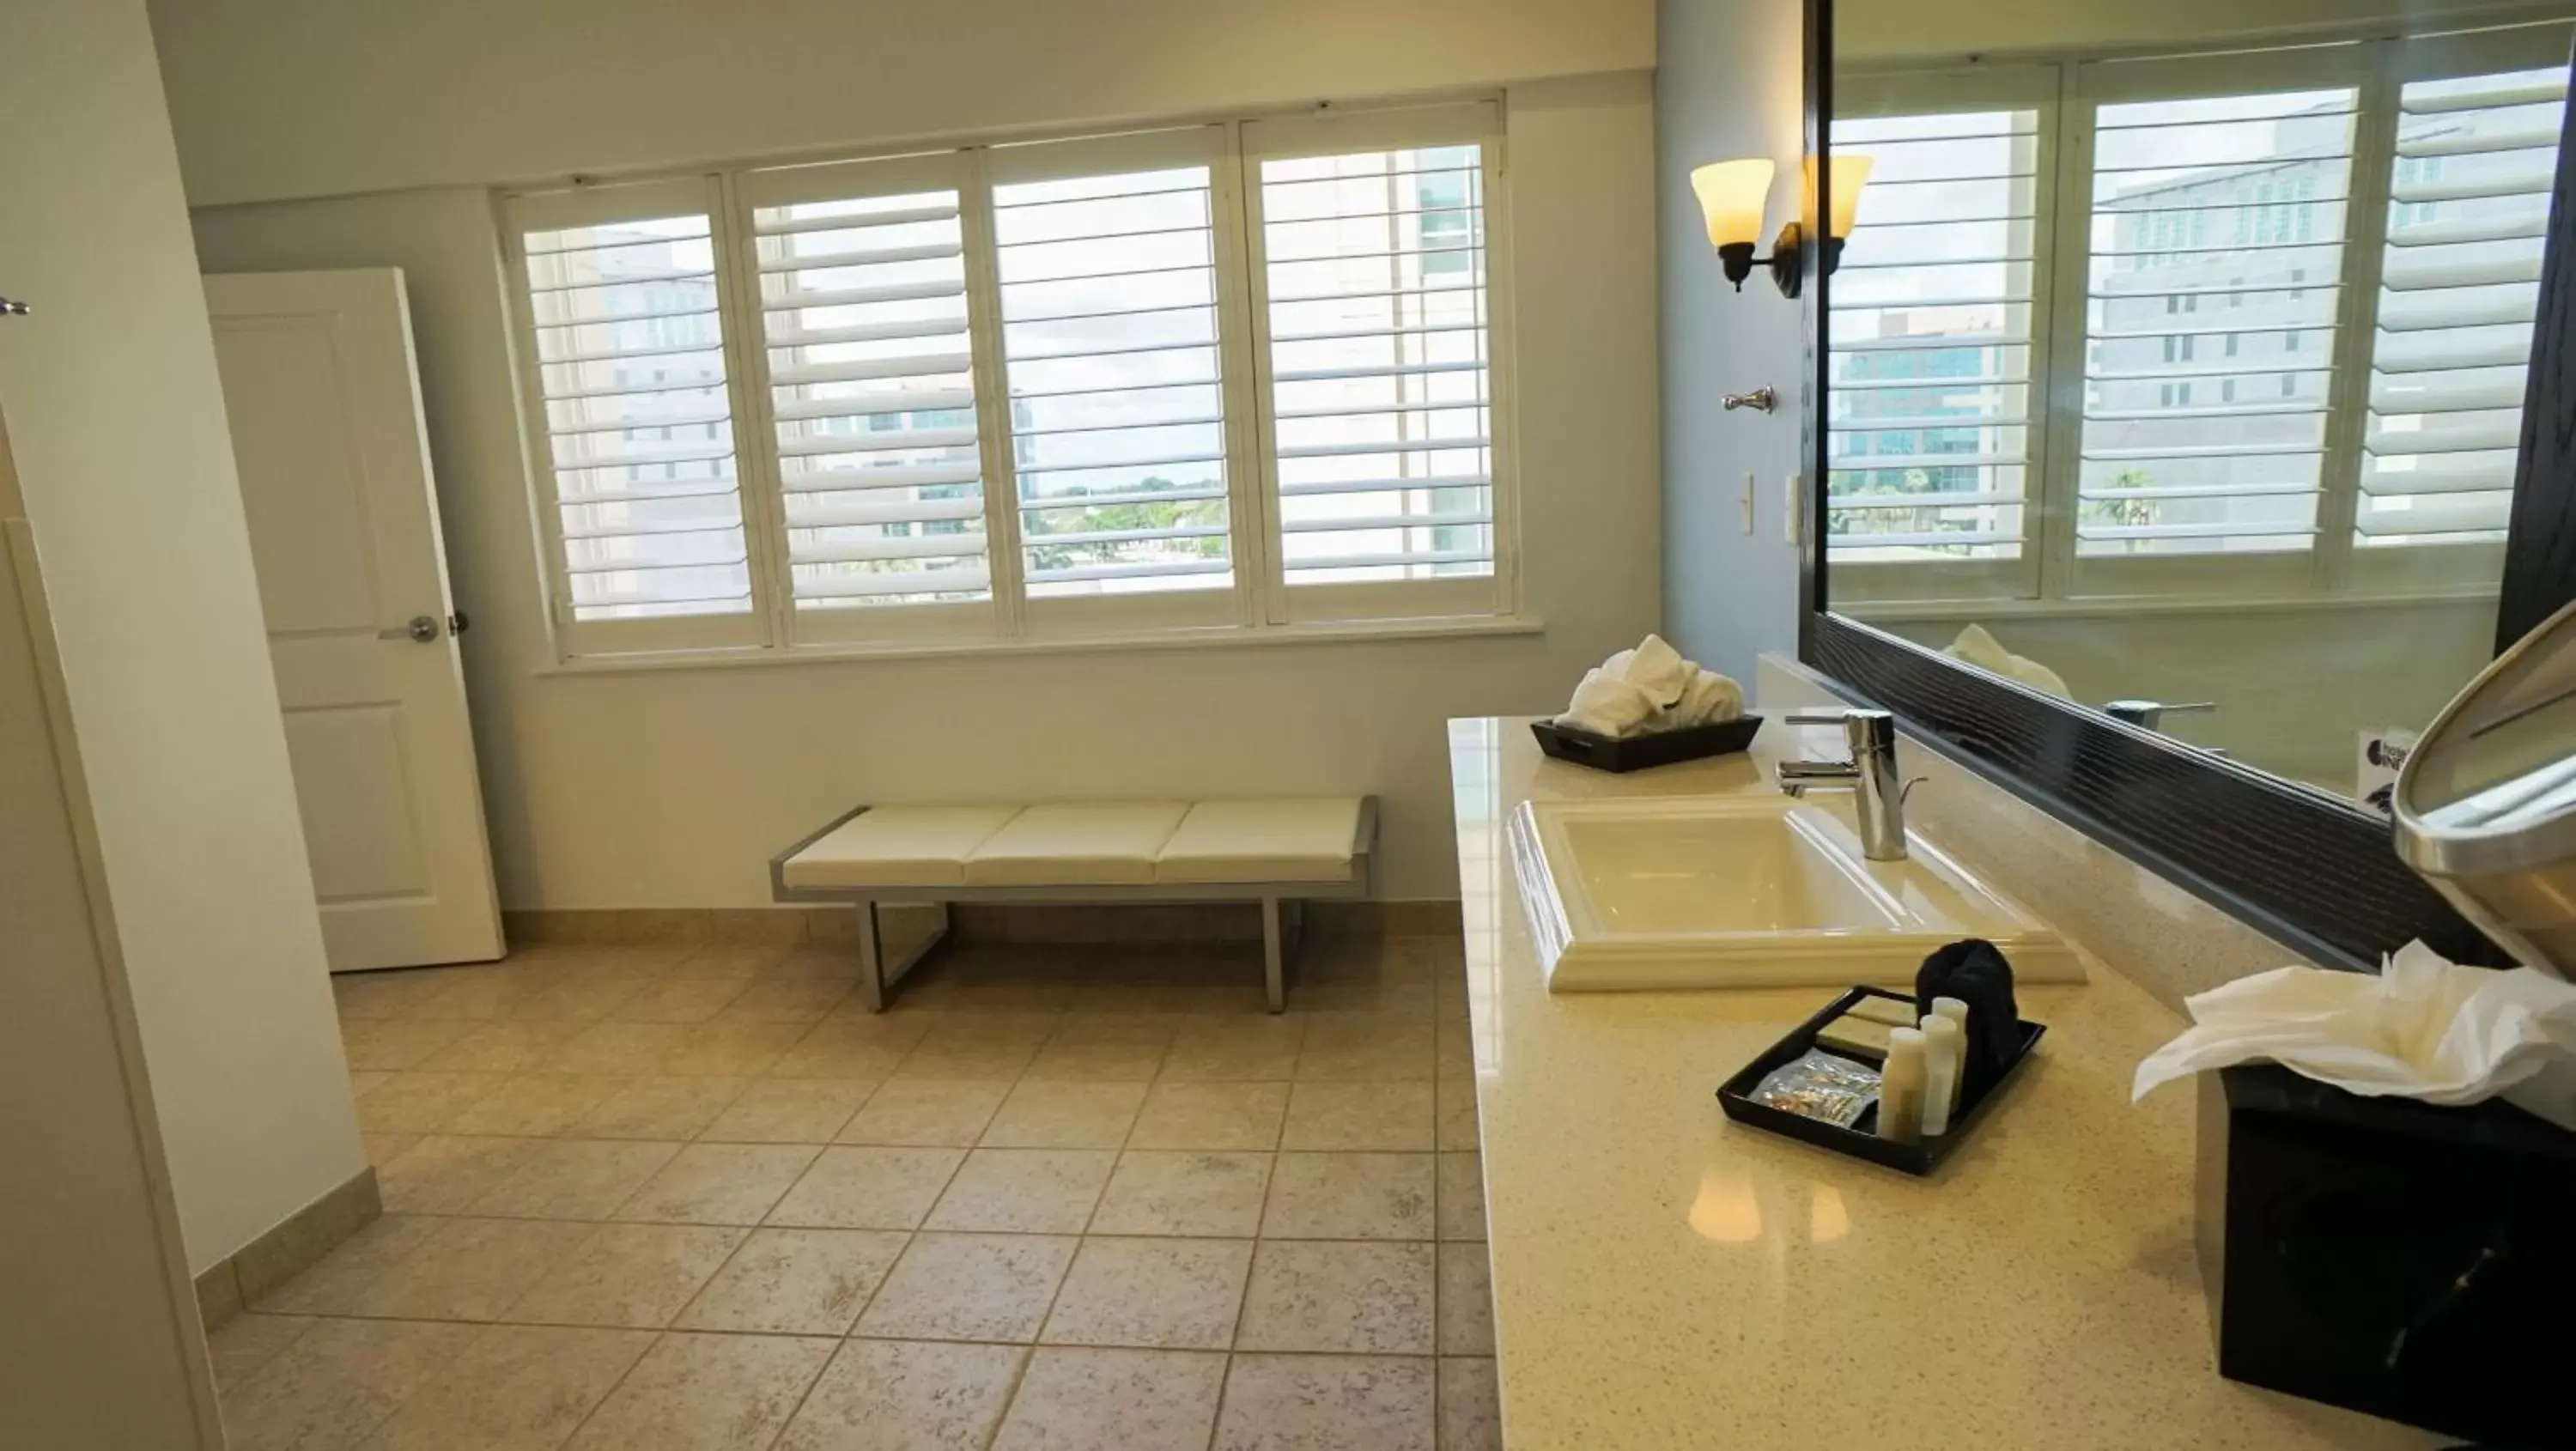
pixel 1258 606
pixel 1144 611
pixel 1345 132
pixel 2066 572
pixel 625 200
pixel 2006 86
pixel 2433 568
pixel 2334 566
pixel 746 192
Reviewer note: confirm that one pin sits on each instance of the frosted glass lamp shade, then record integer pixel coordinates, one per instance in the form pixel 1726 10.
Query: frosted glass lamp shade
pixel 1850 174
pixel 1733 196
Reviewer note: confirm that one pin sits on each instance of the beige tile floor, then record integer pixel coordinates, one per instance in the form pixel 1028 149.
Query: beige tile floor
pixel 1060 1197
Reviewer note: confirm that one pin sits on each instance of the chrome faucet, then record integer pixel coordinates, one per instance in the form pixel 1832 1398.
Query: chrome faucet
pixel 2151 713
pixel 1878 793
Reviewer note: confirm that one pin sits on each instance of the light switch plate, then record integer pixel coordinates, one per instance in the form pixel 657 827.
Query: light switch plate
pixel 1745 501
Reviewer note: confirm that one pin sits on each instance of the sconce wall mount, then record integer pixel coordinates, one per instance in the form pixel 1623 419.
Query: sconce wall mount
pixel 1733 196
pixel 1785 264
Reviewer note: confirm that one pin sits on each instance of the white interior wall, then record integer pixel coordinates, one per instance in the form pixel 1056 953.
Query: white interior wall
pixel 1728 84
pixel 672 787
pixel 101 1345
pixel 117 422
pixel 299 98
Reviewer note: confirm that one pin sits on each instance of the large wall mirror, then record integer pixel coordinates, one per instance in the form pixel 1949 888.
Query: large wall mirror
pixel 2172 408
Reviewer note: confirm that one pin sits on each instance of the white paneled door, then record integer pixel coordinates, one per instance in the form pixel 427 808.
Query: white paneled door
pixel 326 422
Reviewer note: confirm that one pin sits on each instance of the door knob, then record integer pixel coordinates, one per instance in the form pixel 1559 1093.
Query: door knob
pixel 422 629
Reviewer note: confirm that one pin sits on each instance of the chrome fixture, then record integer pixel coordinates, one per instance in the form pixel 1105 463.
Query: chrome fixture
pixel 1869 773
pixel 1761 400
pixel 11 308
pixel 2486 802
pixel 2151 713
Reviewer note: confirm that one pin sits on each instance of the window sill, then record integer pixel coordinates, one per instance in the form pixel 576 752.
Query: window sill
pixel 1230 637
pixel 2098 606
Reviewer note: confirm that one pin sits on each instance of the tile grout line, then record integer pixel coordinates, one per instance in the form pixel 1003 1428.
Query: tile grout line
pixel 1438 1412
pixel 1028 1359
pixel 620 1384
pixel 260 1371
pixel 924 1229
pixel 1261 1213
pixel 1234 1332
pixel 748 1233
pixel 675 1328
pixel 823 1369
pixel 1037 1335
pixel 765 1071
pixel 1084 1235
pixel 851 1331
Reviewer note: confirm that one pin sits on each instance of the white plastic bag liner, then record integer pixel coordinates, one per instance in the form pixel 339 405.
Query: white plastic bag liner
pixel 2424 1028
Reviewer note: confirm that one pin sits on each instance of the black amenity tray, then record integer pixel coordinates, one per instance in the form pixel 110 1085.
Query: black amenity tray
pixel 1861 1140
pixel 1635 753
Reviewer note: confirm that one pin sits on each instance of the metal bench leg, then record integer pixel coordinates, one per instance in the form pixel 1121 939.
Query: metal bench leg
pixel 1273 974
pixel 878 972
pixel 872 980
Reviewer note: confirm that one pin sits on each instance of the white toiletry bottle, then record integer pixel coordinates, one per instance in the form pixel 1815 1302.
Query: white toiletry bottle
pixel 1900 1087
pixel 1956 1010
pixel 1941 1047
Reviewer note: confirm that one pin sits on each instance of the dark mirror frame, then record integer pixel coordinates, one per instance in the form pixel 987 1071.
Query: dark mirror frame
pixel 2309 870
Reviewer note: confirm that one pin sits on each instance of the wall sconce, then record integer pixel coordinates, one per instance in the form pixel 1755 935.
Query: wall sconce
pixel 1734 195
pixel 1851 173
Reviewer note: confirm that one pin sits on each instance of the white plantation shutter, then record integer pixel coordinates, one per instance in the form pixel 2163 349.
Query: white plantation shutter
pixel 1936 328
pixel 1374 323
pixel 870 361
pixel 625 330
pixel 1199 378
pixel 2217 246
pixel 2301 301
pixel 2476 156
pixel 1106 263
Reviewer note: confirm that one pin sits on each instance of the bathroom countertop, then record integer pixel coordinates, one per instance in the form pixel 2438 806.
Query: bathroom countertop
pixel 1664 1278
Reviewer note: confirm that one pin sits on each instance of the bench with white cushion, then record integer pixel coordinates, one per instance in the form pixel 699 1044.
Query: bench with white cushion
pixel 1278 852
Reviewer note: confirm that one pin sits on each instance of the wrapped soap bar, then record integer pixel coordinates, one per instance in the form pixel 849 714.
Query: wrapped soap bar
pixel 1820 1086
pixel 1855 1036
pixel 1892 1012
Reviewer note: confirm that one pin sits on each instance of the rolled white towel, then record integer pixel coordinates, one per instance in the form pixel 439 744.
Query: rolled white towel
pixel 1710 699
pixel 1980 648
pixel 1658 669
pixel 1606 705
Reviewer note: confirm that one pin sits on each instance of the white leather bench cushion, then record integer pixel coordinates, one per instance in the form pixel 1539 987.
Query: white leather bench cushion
pixel 1263 841
pixel 897 846
pixel 1076 844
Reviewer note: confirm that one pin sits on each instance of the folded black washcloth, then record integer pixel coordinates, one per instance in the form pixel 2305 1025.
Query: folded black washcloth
pixel 1974 971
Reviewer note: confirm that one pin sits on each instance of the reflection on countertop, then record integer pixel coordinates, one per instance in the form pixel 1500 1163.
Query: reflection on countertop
pixel 1664 1278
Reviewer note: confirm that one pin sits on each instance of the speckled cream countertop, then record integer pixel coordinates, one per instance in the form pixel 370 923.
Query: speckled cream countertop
pixel 1667 1279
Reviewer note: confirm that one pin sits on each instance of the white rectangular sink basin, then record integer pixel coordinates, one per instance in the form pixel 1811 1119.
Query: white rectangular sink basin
pixel 1747 891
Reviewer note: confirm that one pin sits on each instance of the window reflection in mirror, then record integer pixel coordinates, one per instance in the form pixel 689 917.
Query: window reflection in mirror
pixel 2176 360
